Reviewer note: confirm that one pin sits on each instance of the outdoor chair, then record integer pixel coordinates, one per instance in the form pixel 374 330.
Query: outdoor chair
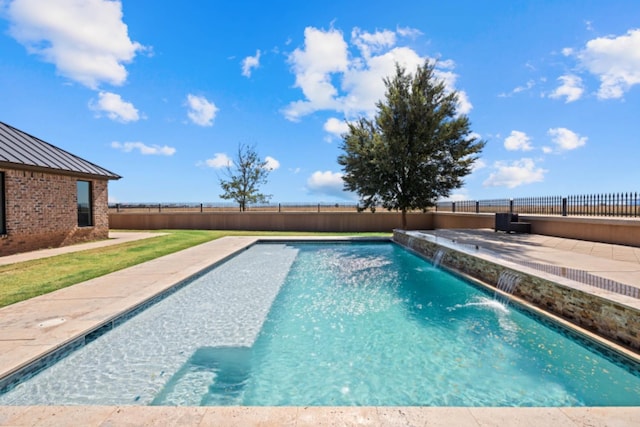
pixel 508 222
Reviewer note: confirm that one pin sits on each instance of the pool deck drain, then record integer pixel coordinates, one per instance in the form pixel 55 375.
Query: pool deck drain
pixel 90 304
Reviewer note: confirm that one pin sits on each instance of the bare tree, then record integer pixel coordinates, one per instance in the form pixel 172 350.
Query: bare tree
pixel 244 176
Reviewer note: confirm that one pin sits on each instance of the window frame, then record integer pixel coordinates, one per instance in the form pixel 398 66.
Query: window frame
pixel 3 203
pixel 85 213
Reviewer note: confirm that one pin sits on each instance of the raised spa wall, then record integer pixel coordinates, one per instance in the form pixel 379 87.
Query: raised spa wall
pixel 605 317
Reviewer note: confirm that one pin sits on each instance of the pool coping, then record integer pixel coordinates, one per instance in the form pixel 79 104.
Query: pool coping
pixel 92 304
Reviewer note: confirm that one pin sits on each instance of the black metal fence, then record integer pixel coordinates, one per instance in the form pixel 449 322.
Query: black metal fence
pixel 607 205
pixel 614 204
pixel 231 207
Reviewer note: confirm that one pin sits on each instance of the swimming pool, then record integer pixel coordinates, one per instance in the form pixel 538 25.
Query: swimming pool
pixel 345 324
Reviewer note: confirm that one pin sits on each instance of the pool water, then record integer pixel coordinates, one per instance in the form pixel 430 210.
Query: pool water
pixel 339 324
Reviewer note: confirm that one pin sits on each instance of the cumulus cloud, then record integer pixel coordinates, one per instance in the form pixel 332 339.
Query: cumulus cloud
pixel 271 163
pixel 363 84
pixel 514 174
pixel 518 141
pixel 219 161
pixel 615 61
pixel 477 165
pixel 327 183
pixel 369 43
pixel 324 53
pixel 564 140
pixel 348 77
pixel 249 63
pixel 571 88
pixel 147 150
pixel 115 108
pixel 201 111
pixel 336 127
pixel 87 41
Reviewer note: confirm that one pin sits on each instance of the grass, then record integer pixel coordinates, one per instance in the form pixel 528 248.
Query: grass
pixel 24 280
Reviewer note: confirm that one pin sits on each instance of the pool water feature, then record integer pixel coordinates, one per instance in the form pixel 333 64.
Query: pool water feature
pixel 344 324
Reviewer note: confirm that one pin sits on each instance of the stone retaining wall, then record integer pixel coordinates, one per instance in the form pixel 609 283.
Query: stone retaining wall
pixel 605 317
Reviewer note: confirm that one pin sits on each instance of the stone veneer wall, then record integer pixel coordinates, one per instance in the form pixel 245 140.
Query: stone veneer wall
pixel 41 211
pixel 612 320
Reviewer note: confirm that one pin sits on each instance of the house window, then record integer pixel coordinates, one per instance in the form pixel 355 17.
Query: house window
pixel 3 218
pixel 85 216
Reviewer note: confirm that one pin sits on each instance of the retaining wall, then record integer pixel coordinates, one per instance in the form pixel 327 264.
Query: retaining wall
pixel 607 317
pixel 271 221
pixel 606 230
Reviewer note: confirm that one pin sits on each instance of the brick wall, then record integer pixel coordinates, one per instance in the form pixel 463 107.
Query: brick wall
pixel 41 211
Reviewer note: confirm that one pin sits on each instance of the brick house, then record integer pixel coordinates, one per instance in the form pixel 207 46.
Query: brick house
pixel 48 197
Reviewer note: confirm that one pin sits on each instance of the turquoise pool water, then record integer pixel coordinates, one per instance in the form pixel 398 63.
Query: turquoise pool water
pixel 344 324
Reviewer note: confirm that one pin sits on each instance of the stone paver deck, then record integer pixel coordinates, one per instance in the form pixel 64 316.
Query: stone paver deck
pixel 615 262
pixel 34 327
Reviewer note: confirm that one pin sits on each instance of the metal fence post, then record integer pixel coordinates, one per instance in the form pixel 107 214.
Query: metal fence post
pixel 159 207
pixel 564 206
pixel 201 208
pixel 511 206
pixel 477 206
pixel 453 207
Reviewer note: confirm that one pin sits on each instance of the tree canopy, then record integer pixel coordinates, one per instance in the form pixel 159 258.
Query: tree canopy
pixel 245 175
pixel 416 149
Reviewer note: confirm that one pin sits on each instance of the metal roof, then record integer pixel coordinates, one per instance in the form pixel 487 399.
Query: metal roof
pixel 20 148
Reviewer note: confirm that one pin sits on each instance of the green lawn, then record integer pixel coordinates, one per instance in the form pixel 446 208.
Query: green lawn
pixel 24 280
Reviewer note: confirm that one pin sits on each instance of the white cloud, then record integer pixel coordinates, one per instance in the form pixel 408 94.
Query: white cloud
pixel 565 140
pixel 272 164
pixel 336 127
pixel 616 62
pixel 144 149
pixel 369 43
pixel 477 165
pixel 517 141
pixel 363 83
pixel 327 183
pixel 115 108
pixel 408 32
pixel 219 161
pixel 514 174
pixel 464 105
pixel 446 74
pixel 249 63
pixel 348 79
pixel 87 41
pixel 571 88
pixel 201 111
pixel 456 197
pixel 518 89
pixel 324 53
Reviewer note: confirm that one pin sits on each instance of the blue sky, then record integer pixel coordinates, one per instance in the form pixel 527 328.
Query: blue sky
pixel 163 93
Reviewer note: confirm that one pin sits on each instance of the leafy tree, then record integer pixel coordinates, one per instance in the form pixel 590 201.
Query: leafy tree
pixel 244 177
pixel 416 149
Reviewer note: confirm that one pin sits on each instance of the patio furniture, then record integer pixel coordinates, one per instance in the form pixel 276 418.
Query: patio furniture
pixel 508 222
